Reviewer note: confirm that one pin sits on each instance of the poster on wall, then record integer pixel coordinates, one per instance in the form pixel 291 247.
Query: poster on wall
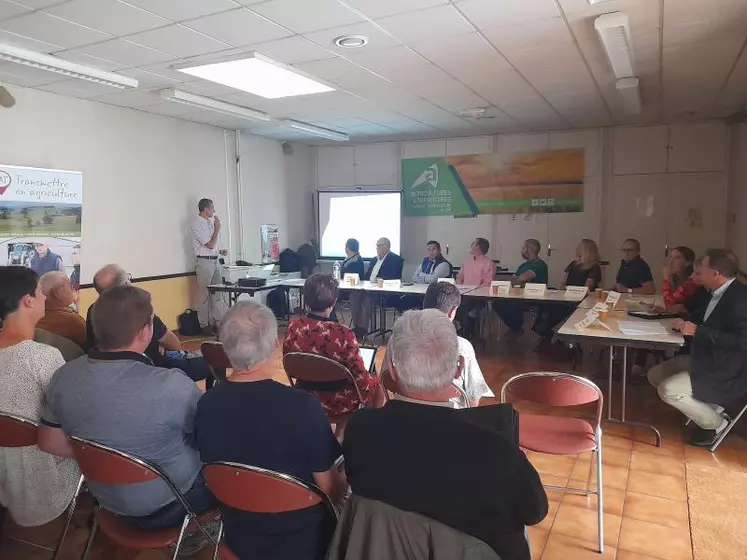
pixel 40 219
pixel 270 243
pixel 518 183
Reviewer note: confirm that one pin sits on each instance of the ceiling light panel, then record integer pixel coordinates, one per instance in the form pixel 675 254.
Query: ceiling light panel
pixel 258 75
pixel 614 32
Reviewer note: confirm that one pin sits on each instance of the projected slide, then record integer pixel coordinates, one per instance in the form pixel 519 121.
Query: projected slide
pixel 365 216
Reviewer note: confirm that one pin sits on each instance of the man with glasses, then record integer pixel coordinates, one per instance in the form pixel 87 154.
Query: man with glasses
pixel 714 374
pixel 386 266
pixel 634 276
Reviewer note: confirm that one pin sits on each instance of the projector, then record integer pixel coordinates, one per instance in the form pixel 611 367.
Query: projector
pixel 252 282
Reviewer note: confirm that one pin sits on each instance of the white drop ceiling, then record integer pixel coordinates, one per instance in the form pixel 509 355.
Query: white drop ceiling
pixel 535 64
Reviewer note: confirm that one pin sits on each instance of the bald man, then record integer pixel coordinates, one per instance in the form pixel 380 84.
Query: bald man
pixel 386 266
pixel 59 318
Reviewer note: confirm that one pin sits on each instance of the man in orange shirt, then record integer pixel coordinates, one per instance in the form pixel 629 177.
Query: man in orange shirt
pixel 479 270
pixel 59 318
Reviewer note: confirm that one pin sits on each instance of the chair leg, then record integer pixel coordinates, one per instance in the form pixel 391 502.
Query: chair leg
pixel 216 553
pixel 68 518
pixel 89 542
pixel 181 536
pixel 728 429
pixel 600 497
pixel 591 470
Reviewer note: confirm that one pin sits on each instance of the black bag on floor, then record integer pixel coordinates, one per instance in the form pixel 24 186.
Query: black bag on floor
pixel 189 324
pixel 277 301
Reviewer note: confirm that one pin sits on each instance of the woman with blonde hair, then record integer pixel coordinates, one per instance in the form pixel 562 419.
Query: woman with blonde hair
pixel 584 270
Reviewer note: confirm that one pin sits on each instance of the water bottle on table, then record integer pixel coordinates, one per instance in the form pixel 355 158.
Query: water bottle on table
pixel 336 270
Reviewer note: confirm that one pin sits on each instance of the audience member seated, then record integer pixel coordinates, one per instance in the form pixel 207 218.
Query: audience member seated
pixel 446 298
pixel 414 453
pixel 433 267
pixel 253 420
pixel 634 276
pixel 59 318
pixel 479 270
pixel 386 266
pixel 353 264
pixel 714 375
pixel 316 333
pixel 118 398
pixel 35 487
pixel 585 270
pixel 165 349
pixel 533 269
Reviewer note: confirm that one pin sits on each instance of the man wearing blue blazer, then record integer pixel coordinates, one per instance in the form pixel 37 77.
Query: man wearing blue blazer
pixel 386 266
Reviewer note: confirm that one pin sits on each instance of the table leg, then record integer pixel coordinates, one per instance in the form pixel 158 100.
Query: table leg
pixel 609 384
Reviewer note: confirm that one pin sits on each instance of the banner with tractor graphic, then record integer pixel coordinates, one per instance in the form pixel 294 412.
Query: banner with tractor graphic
pixel 40 219
pixel 519 183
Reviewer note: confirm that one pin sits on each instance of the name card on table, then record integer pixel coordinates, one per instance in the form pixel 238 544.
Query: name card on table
pixel 535 290
pixel 591 320
pixel 447 280
pixel 392 284
pixel 500 287
pixel 612 299
pixel 351 279
pixel 599 307
pixel 576 292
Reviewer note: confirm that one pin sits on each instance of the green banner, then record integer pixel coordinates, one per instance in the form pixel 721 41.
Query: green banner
pixel 547 181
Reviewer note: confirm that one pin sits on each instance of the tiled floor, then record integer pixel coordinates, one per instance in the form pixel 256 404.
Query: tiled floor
pixel 645 489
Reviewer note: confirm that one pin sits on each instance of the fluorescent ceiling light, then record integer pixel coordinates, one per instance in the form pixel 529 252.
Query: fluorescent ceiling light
pixel 595 2
pixel 256 74
pixel 65 67
pixel 200 102
pixel 317 130
pixel 630 95
pixel 614 32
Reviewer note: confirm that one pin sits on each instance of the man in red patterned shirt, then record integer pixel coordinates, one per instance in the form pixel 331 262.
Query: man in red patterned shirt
pixel 316 333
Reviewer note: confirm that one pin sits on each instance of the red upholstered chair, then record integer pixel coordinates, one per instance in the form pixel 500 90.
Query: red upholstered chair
pixel 17 431
pixel 216 359
pixel 561 435
pixel 258 490
pixel 312 368
pixel 105 465
pixel 457 393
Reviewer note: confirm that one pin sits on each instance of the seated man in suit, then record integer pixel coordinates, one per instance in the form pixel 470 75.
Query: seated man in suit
pixel 714 374
pixel 533 269
pixel 386 266
pixel 59 318
pixel 414 452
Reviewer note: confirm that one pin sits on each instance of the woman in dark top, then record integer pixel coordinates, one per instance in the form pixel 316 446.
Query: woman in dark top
pixel 583 271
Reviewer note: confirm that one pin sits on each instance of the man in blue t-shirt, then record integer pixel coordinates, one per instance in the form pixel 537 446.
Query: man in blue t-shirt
pixel 254 420
pixel 534 270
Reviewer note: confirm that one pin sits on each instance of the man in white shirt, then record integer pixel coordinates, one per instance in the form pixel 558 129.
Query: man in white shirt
pixel 204 233
pixel 386 266
pixel 433 267
pixel 446 298
pixel 713 377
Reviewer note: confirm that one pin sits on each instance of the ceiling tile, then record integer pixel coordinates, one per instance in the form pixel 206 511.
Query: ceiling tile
pixel 529 34
pixel 47 28
pixel 377 38
pixel 88 60
pixel 125 52
pixel 27 43
pixel 207 88
pixel 167 108
pixel 38 4
pixel 489 13
pixel 27 76
pixel 400 65
pixel 450 95
pixel 291 50
pixel 131 98
pixel 383 8
pixel 77 88
pixel 178 40
pixel 304 17
pixel 109 16
pixel 450 53
pixel 238 27
pixel 179 10
pixel 422 25
pixel 9 9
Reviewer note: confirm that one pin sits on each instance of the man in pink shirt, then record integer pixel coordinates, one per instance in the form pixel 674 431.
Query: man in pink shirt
pixel 480 270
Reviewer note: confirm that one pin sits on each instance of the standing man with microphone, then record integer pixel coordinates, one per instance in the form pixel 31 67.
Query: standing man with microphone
pixel 205 230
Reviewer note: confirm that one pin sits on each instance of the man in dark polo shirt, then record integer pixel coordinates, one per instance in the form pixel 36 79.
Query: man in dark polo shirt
pixel 195 367
pixel 419 454
pixel 634 276
pixel 115 396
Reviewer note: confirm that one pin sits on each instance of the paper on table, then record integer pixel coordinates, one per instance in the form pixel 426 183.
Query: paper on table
pixel 640 328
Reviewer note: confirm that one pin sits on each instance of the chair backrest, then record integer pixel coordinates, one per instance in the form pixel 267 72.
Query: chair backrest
pixel 17 431
pixel 215 358
pixel 258 490
pixel 104 465
pixel 553 389
pixel 391 387
pixel 302 366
